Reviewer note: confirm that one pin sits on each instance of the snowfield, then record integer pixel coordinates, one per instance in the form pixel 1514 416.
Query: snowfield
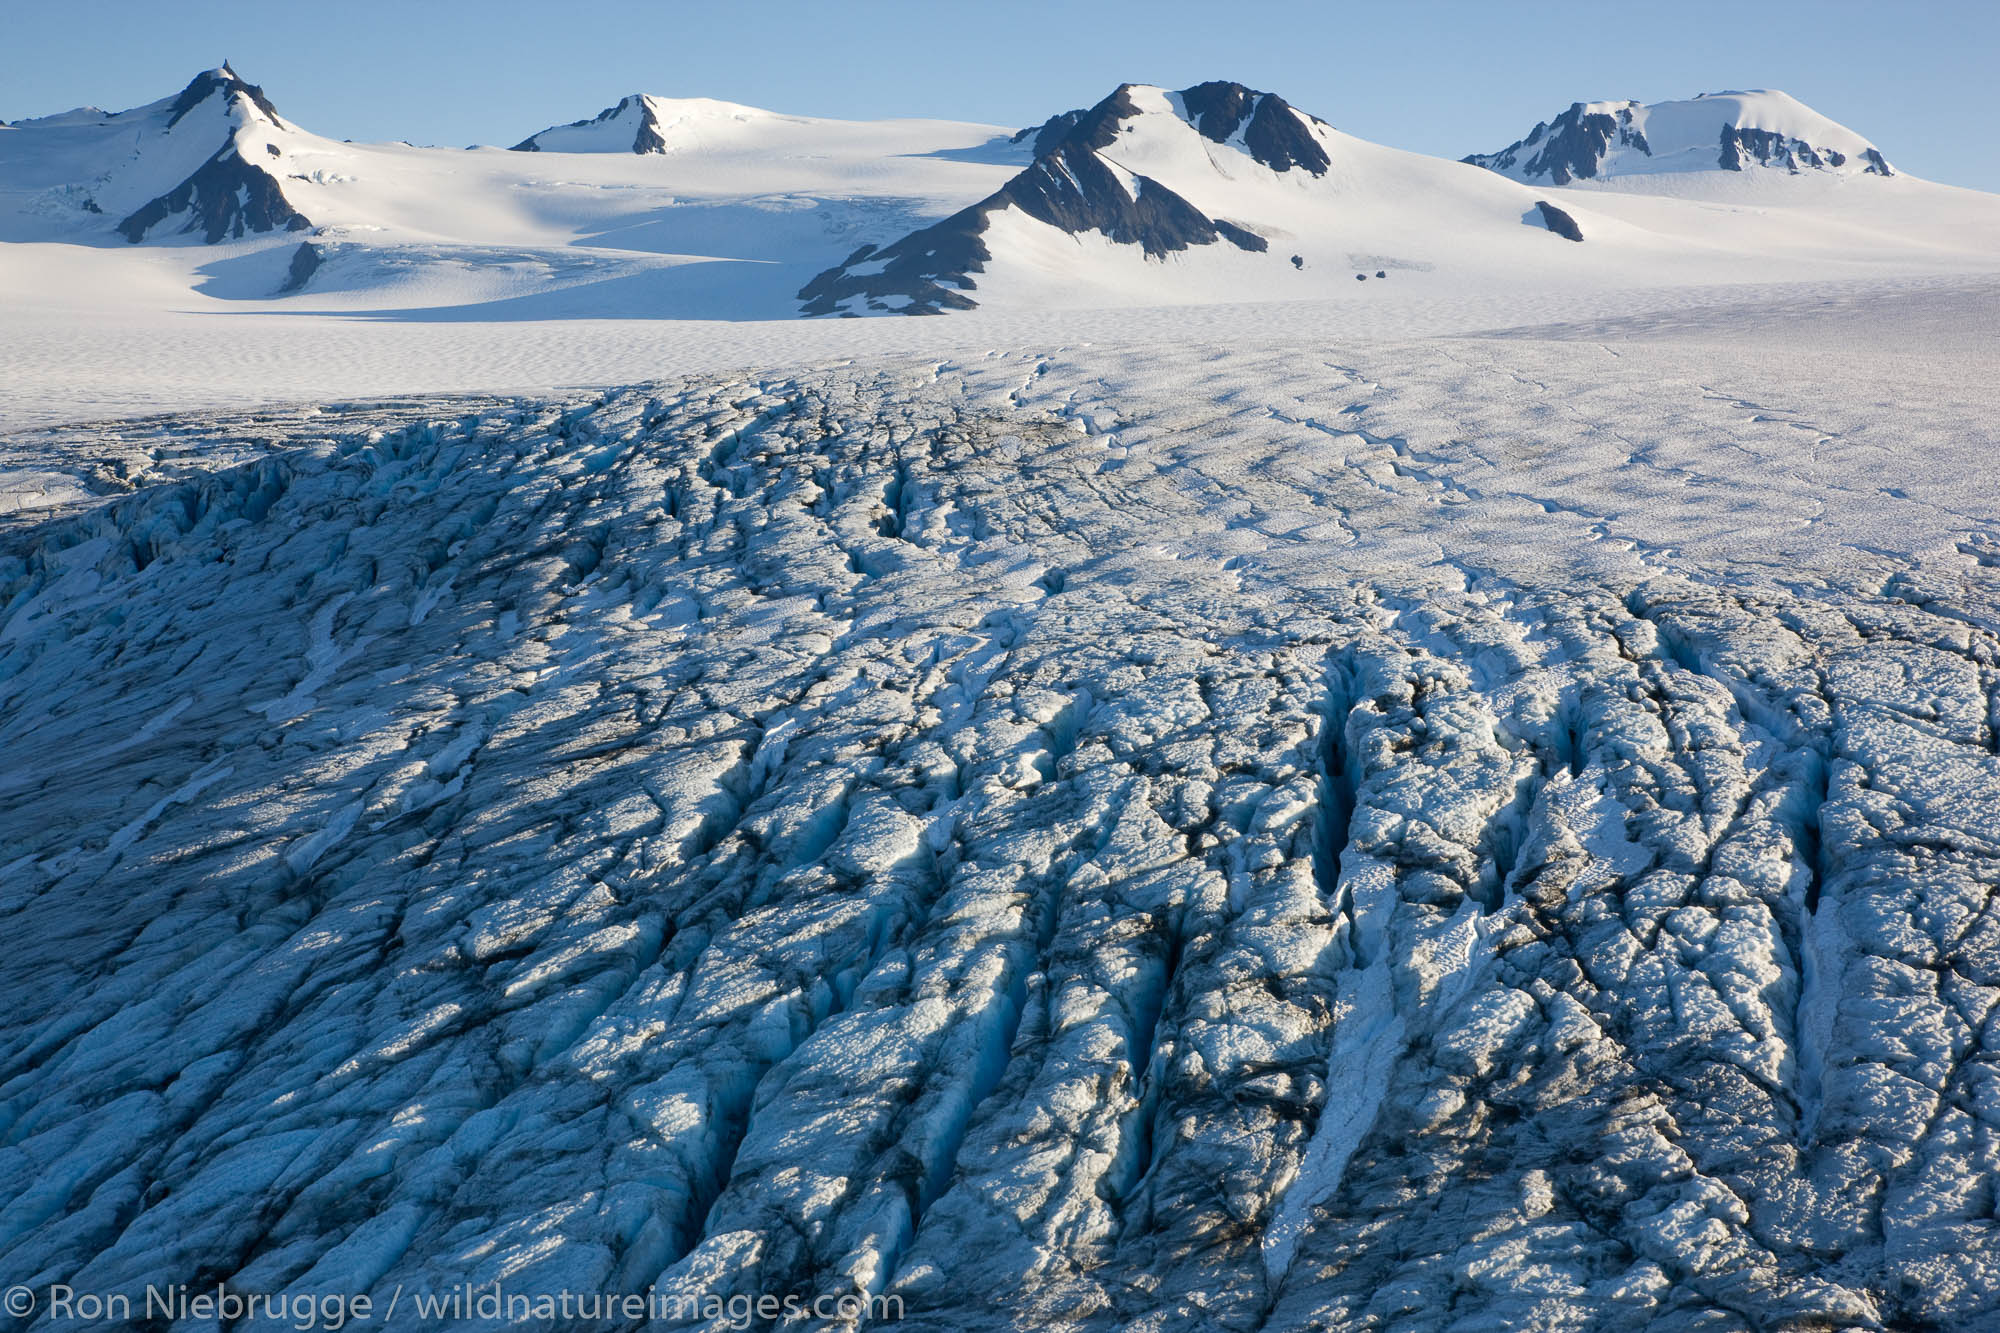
pixel 1306 831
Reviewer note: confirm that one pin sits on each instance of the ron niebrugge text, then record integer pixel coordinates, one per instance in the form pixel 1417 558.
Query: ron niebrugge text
pixel 487 1304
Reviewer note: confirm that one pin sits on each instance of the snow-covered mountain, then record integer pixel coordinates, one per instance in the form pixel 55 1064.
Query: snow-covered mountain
pixel 1249 195
pixel 1761 129
pixel 207 161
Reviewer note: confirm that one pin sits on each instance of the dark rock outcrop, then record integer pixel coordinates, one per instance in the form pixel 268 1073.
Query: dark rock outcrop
pixel 305 262
pixel 1559 222
pixel 1242 237
pixel 1768 148
pixel 647 138
pixel 1093 127
pixel 1076 190
pixel 1273 131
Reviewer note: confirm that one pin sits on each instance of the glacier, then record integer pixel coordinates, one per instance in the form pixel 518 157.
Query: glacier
pixel 1457 834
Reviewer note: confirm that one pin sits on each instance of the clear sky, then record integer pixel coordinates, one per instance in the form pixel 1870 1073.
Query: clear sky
pixel 1436 76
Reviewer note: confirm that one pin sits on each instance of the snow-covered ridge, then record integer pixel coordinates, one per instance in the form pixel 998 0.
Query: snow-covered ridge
pixel 1727 131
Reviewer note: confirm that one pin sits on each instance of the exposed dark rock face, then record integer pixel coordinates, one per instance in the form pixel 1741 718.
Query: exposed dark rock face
pixel 1768 148
pixel 226 198
pixel 914 271
pixel 1570 147
pixel 1050 132
pixel 1093 127
pixel 1242 237
pixel 1557 221
pixel 1072 187
pixel 648 138
pixel 305 262
pixel 1218 108
pixel 1273 130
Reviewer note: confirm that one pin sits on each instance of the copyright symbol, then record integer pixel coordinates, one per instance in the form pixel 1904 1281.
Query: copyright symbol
pixel 20 1301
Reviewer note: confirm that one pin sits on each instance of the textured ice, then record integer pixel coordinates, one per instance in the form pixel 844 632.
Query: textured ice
pixel 1436 838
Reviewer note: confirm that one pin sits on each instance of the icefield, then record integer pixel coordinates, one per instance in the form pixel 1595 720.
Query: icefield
pixel 1184 834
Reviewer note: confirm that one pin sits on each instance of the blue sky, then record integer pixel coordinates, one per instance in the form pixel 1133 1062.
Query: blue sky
pixel 1434 76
